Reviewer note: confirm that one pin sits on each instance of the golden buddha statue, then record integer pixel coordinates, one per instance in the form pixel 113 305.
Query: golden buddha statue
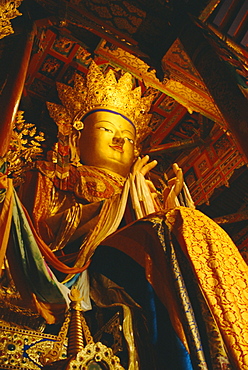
pixel 97 224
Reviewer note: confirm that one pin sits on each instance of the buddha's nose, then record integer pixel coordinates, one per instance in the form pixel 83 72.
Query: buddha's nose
pixel 117 139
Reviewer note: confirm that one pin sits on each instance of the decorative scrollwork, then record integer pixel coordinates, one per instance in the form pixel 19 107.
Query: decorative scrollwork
pixel 8 11
pixel 25 146
pixel 55 352
pixel 95 353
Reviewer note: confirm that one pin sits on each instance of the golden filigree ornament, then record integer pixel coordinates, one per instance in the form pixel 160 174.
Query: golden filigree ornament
pixel 97 91
pixel 25 146
pixel 8 11
pixel 82 351
pixel 92 355
pixel 95 355
pixel 21 348
pixel 78 125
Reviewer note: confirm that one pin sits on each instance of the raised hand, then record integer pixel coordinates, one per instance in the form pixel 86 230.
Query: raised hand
pixel 170 192
pixel 178 180
pixel 141 165
pixel 174 188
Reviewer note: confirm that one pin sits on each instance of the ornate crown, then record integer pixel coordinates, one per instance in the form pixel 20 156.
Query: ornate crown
pixel 99 91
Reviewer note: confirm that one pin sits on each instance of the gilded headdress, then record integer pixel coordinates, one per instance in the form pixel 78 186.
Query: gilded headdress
pixel 99 91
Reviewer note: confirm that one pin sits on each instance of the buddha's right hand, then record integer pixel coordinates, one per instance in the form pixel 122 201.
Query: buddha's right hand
pixel 141 165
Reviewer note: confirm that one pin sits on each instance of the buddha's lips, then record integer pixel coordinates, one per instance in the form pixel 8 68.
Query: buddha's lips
pixel 118 148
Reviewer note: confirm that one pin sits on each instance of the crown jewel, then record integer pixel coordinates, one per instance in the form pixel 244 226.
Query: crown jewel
pixel 99 91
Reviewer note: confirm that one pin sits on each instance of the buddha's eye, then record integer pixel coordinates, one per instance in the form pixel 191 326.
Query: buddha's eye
pixel 129 139
pixel 105 129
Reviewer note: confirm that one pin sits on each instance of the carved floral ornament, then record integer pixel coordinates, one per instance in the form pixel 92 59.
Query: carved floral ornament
pixel 8 11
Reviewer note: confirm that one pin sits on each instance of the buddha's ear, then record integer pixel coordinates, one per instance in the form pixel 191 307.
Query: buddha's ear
pixel 74 147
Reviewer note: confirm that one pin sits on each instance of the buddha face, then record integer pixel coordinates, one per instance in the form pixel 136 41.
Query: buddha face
pixel 107 142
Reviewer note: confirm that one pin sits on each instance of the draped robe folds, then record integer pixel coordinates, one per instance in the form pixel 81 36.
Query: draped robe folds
pixel 179 269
